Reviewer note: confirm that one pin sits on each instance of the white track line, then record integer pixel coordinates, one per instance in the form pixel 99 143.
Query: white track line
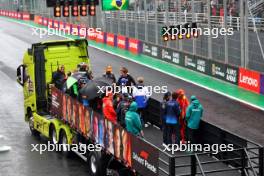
pixel 162 71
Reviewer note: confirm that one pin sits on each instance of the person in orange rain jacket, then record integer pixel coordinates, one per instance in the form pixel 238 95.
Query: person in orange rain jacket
pixel 108 108
pixel 183 103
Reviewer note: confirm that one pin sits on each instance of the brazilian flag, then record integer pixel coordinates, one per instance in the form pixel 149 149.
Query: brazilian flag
pixel 115 4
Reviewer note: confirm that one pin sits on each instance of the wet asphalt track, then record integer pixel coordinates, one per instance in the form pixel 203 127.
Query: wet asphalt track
pixel 20 161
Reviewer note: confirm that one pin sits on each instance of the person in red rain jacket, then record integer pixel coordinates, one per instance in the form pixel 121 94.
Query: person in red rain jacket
pixel 183 103
pixel 108 108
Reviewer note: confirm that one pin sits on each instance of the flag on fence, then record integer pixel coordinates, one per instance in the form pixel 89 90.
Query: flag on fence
pixel 115 4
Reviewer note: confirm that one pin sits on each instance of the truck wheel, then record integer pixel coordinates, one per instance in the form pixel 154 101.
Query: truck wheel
pixel 66 148
pixel 95 164
pixel 34 132
pixel 53 135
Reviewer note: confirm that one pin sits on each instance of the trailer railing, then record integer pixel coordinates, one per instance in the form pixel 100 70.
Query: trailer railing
pixel 246 159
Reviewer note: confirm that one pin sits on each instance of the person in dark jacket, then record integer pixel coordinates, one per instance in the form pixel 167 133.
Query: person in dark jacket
pixel 59 77
pixel 109 74
pixel 166 98
pixel 171 114
pixel 84 68
pixel 122 108
pixel 193 117
pixel 141 96
pixel 125 81
pixel 133 123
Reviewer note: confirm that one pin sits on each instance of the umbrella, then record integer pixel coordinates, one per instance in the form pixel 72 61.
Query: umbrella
pixel 74 78
pixel 95 88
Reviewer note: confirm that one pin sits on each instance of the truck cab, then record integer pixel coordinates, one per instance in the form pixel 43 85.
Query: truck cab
pixel 35 75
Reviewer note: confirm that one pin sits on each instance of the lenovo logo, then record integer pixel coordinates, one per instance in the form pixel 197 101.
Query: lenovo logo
pixel 248 80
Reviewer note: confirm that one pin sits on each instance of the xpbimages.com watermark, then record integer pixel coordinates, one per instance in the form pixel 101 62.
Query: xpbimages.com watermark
pixel 173 32
pixel 188 147
pixel 81 32
pixel 148 90
pixel 49 147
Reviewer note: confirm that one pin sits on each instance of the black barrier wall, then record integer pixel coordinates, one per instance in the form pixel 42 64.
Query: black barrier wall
pixel 212 68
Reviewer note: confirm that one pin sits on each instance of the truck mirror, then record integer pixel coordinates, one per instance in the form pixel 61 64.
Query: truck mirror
pixel 21 75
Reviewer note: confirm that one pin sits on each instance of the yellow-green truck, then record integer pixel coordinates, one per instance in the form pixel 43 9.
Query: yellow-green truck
pixel 35 75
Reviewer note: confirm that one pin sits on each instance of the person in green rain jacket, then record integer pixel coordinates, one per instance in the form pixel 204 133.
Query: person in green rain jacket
pixel 193 117
pixel 133 123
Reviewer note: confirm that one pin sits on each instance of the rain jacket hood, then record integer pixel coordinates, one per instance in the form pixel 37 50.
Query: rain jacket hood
pixel 133 107
pixel 194 113
pixel 133 123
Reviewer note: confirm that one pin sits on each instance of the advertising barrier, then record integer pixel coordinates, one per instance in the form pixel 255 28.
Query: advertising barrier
pixel 131 150
pixel 171 56
pixel 67 28
pixel 26 16
pixel 224 72
pixel 91 34
pixel 56 24
pixel 110 39
pixel 61 25
pixel 121 42
pixel 45 21
pixel 50 23
pixel 151 50
pixel 100 37
pixel 249 80
pixel 134 46
pixel 262 84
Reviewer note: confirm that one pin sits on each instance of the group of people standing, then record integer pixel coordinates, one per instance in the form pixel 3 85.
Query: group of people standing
pixel 126 107
pixel 180 118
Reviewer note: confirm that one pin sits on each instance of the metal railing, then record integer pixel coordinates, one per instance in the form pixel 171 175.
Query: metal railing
pixel 173 19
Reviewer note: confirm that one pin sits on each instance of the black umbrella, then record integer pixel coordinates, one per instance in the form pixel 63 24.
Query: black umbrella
pixel 74 78
pixel 95 88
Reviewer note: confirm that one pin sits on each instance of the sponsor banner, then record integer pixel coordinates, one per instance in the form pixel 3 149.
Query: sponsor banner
pixel 15 15
pixel 262 84
pixel 224 72
pixel 145 158
pixel 91 34
pixel 45 21
pixel 249 80
pixel 100 37
pixel 151 50
pixel 40 20
pixel 62 25
pixel 121 42
pixel 50 23
pixel 202 65
pixel 110 39
pixel 36 19
pixel 190 61
pixel 134 46
pixel 19 16
pixel 56 24
pixel 26 16
pixel 58 103
pixel 218 70
pixel 171 56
